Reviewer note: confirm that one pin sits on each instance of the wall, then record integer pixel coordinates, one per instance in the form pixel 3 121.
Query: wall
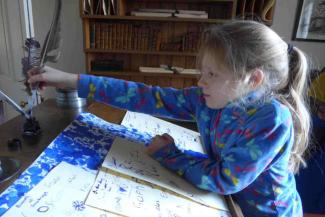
pixel 283 24
pixel 11 52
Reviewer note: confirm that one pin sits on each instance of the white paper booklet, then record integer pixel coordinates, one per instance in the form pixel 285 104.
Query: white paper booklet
pixel 128 197
pixel 60 194
pixel 185 139
pixel 130 158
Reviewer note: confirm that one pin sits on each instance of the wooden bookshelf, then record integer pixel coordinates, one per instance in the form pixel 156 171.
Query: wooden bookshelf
pixel 170 53
pixel 128 42
pixel 163 19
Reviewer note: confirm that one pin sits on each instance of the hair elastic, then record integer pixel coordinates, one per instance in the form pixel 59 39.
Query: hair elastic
pixel 290 48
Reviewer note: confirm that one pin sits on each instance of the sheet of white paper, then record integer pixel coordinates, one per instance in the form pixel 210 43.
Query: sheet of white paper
pixel 130 158
pixel 131 198
pixel 185 139
pixel 60 194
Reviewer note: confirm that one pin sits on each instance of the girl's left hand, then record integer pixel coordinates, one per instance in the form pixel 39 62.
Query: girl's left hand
pixel 159 142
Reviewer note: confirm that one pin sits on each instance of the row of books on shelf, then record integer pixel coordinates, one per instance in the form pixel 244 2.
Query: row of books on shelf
pixel 124 36
pixel 188 42
pixel 140 37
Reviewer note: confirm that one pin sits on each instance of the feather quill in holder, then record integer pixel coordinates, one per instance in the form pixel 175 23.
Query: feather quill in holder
pixel 32 60
pixel 36 56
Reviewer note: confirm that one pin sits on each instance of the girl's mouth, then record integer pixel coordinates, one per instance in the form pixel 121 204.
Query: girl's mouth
pixel 205 95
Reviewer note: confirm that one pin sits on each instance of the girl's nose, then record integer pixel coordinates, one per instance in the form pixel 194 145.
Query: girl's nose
pixel 201 81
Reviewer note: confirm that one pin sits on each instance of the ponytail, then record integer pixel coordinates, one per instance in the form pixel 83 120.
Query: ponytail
pixel 294 95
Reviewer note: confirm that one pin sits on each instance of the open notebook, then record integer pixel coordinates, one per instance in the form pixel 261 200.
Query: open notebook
pixel 185 139
pixel 131 178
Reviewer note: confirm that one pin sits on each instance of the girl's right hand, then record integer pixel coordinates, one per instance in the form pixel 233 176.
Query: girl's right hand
pixel 159 142
pixel 48 76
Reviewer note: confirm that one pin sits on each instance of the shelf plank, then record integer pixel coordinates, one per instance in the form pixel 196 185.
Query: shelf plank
pixel 170 53
pixel 146 74
pixel 189 1
pixel 163 19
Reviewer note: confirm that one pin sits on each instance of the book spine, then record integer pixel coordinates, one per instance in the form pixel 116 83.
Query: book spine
pixel 150 38
pixel 106 36
pixel 118 36
pixel 102 35
pixel 143 37
pixel 109 26
pixel 136 37
pixel 121 39
pixel 97 35
pixel 92 31
pixel 159 38
pixel 114 36
pixel 146 44
pixel 129 38
pixel 126 35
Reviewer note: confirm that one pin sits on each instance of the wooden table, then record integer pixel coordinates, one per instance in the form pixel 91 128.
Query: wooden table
pixel 53 121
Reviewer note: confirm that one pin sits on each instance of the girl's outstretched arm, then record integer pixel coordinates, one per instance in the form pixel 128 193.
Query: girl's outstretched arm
pixel 133 96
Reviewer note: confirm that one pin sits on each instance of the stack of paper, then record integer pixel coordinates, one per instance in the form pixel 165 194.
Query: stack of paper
pixel 130 178
pixel 153 12
pixel 155 70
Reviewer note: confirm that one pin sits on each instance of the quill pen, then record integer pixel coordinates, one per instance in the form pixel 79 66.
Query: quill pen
pixel 38 56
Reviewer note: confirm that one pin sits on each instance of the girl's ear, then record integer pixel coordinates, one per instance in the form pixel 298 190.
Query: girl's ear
pixel 256 78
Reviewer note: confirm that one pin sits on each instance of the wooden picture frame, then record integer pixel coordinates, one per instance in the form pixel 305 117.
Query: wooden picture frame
pixel 310 21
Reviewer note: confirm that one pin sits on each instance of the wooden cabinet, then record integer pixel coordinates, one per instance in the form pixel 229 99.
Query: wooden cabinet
pixel 119 38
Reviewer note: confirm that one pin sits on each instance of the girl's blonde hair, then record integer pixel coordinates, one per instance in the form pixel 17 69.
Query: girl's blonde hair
pixel 245 46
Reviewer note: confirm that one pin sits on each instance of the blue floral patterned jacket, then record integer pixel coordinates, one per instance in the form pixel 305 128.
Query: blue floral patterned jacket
pixel 248 147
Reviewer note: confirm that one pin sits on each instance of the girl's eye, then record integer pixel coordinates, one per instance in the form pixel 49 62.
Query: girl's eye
pixel 211 74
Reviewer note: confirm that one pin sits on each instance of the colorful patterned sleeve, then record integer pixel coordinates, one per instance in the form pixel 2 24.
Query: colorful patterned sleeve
pixel 133 96
pixel 240 159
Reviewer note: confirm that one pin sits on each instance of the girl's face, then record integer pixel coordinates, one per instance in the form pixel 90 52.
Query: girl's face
pixel 217 82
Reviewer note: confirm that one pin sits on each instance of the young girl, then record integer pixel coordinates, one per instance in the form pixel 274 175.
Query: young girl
pixel 249 111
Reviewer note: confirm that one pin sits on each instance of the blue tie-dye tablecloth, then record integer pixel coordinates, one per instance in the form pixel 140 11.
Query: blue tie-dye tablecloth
pixel 85 142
